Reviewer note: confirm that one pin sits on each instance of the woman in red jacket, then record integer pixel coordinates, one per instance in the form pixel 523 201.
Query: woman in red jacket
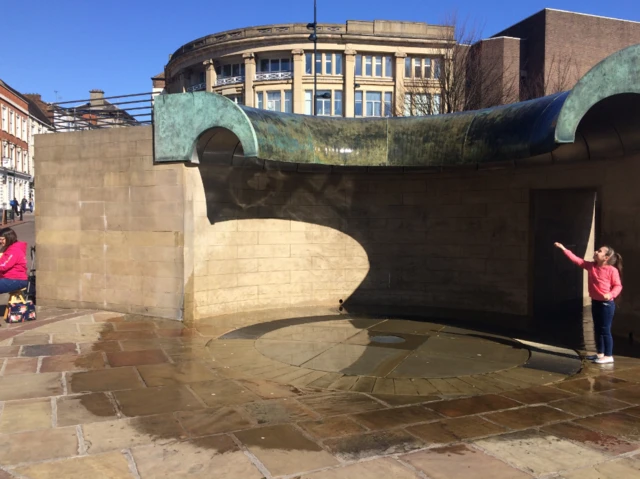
pixel 604 286
pixel 13 263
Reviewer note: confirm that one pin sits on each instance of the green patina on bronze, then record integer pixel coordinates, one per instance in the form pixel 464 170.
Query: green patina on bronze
pixel 615 75
pixel 494 135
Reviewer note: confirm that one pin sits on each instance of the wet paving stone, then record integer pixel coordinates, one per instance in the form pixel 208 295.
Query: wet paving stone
pixel 633 411
pixel 537 395
pixel 84 409
pixel 285 450
pixel 461 461
pixel 38 445
pixel 591 385
pixel 270 389
pixel 335 404
pixel 48 349
pixel 631 375
pixel 112 465
pixel 389 418
pixel 396 400
pixel 71 362
pixel 206 422
pixel 589 405
pixel 629 395
pixel 127 335
pixel 453 430
pixel 331 427
pixel 148 401
pixel 136 358
pixel 527 417
pixel 278 411
pixel 615 424
pixel 222 392
pixel 201 458
pixel 361 446
pixel 106 346
pixel 605 443
pixel 104 380
pixel 126 433
pixel 474 405
pixel 175 374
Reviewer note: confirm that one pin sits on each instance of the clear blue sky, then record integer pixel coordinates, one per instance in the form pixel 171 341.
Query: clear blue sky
pixel 73 46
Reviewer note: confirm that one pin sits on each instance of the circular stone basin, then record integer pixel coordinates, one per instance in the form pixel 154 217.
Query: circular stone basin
pixel 387 339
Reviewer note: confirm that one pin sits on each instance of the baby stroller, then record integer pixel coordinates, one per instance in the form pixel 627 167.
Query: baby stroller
pixel 31 287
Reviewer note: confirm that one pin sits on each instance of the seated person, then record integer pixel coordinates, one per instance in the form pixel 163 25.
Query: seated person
pixel 13 262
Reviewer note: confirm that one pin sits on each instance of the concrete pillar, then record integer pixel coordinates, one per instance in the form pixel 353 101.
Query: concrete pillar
pixel 298 88
pixel 210 74
pixel 399 84
pixel 349 82
pixel 249 77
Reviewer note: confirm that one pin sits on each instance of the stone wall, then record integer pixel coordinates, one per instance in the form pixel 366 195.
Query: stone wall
pixel 116 232
pixel 109 223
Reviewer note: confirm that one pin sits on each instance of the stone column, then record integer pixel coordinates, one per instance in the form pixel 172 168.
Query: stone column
pixel 399 83
pixel 182 84
pixel 249 77
pixel 210 74
pixel 349 82
pixel 298 88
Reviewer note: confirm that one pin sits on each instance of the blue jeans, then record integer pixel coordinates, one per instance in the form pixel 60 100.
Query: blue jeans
pixel 8 285
pixel 603 312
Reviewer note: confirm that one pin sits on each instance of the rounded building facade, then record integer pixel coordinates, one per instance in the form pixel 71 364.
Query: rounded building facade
pixel 362 68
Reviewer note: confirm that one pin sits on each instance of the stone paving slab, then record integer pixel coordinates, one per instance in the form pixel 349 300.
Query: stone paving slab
pixel 99 394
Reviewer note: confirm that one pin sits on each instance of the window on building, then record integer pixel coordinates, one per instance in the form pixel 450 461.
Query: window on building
pixel 319 63
pixel 358 65
pixel 231 70
pixel 260 101
pixel 422 104
pixel 308 63
pixel 308 102
pixel 202 77
pixel 5 117
pixel 368 65
pixel 407 67
pixel 17 126
pixel 11 130
pixel 374 103
pixel 323 105
pixel 437 104
pixel 237 99
pixel 274 101
pixel 24 129
pixel 338 63
pixel 378 63
pixel 417 64
pixel 275 65
pixel 437 68
pixel 358 103
pixel 388 67
pixel 337 103
pixel 328 63
pixel 388 103
pixel 288 107
pixel 427 67
pixel 407 104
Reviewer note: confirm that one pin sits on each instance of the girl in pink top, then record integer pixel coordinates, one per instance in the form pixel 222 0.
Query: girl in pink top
pixel 604 286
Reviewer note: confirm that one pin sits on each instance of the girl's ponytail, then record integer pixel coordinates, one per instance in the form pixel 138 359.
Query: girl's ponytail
pixel 615 259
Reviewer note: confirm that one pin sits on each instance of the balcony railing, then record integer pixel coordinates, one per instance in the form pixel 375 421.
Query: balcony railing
pixel 198 87
pixel 274 76
pixel 229 80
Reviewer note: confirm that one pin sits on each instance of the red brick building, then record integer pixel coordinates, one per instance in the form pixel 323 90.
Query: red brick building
pixel 15 169
pixel 549 51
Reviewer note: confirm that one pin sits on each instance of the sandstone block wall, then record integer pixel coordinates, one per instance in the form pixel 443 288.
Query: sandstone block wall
pixel 109 223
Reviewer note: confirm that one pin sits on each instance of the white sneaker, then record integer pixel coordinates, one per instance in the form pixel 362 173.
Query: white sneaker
pixel 604 360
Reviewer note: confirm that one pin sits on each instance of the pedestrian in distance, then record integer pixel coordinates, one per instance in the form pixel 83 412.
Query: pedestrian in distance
pixel 605 285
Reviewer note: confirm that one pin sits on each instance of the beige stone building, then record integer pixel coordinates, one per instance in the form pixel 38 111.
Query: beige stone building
pixel 364 68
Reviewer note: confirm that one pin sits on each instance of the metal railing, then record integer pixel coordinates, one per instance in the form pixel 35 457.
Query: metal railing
pixel 274 76
pixel 198 87
pixel 103 112
pixel 229 80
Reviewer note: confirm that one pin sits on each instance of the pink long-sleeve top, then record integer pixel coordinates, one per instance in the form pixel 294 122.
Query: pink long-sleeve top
pixel 601 279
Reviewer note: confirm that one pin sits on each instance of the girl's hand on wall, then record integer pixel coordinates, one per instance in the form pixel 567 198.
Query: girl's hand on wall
pixel 559 245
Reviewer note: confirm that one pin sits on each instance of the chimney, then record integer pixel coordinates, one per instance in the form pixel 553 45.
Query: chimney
pixel 96 98
pixel 34 96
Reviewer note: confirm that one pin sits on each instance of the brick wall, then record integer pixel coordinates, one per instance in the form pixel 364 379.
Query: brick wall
pixel 109 224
